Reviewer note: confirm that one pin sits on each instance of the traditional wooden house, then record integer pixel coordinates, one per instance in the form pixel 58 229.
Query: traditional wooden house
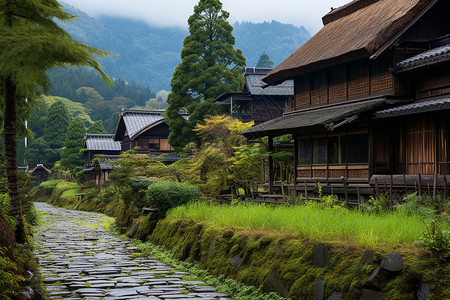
pixel 106 150
pixel 146 129
pixel 39 171
pixel 256 102
pixel 371 96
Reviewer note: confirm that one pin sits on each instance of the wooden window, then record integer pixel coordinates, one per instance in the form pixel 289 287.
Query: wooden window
pixel 154 144
pixel 304 152
pixel 337 149
pixel 358 148
pixel 319 150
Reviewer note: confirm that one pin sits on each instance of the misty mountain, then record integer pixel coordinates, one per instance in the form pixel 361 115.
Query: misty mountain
pixel 148 55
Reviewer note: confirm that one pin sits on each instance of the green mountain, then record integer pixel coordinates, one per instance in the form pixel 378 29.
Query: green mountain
pixel 148 55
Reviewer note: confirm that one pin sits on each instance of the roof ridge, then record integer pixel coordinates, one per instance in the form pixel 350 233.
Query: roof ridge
pixel 99 135
pixel 345 10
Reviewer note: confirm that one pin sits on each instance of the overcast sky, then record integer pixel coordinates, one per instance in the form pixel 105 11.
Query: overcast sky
pixel 176 12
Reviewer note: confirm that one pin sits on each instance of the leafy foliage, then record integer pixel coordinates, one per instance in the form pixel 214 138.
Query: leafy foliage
pixel 436 237
pixel 210 66
pixel 224 161
pixel 264 61
pixel 9 280
pixel 97 127
pixel 56 125
pixel 83 85
pixel 165 195
pixel 71 155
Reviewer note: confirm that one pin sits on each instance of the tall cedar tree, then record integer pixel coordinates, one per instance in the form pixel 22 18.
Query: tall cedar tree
pixel 30 43
pixel 97 127
pixel 264 61
pixel 210 66
pixel 58 120
pixel 71 156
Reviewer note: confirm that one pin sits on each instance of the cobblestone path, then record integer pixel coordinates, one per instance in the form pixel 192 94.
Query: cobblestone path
pixel 79 259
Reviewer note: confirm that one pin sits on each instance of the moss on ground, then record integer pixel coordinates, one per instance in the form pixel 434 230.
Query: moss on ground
pixel 262 254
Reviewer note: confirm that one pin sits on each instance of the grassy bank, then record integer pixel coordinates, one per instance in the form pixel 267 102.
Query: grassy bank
pixel 312 222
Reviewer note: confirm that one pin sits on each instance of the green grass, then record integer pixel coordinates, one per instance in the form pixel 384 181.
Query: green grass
pixel 310 221
pixel 70 193
pixel 50 182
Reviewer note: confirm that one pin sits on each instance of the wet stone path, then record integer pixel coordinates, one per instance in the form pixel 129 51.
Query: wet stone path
pixel 81 260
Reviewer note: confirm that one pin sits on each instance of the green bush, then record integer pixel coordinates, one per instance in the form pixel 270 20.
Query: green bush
pixel 436 237
pixel 165 195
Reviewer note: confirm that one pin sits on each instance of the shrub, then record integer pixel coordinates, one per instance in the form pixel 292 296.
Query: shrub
pixel 437 237
pixel 165 195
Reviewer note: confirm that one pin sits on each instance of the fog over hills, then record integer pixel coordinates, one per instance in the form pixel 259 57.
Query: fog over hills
pixel 148 55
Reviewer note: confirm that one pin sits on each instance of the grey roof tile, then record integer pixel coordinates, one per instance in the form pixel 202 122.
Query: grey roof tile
pixel 426 58
pixel 255 85
pixel 137 120
pixel 310 118
pixel 101 142
pixel 414 108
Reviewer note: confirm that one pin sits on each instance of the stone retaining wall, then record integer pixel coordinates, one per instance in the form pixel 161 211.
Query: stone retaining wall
pixel 301 269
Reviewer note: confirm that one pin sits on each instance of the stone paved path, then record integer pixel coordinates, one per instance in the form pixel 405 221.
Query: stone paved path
pixel 79 259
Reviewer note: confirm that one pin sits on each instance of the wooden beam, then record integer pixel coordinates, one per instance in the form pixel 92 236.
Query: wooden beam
pixel 271 174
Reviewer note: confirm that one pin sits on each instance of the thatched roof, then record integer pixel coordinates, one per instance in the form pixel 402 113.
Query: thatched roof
pixel 354 31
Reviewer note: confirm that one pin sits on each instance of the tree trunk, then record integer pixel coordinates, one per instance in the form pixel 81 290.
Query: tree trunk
pixel 12 175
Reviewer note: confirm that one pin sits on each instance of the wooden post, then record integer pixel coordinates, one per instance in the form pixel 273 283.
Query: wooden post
pixel 405 183
pixel 435 185
pixel 295 166
pixel 429 189
pixel 358 195
pixel 282 191
pixel 332 189
pixel 345 190
pixel 271 174
pixel 377 188
pixel 420 185
pixel 306 191
pixel 390 191
pixel 445 187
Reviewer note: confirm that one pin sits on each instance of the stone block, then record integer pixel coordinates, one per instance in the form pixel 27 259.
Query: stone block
pixel 377 280
pixel 273 283
pixel 320 255
pixel 335 296
pixel 236 261
pixel 393 263
pixel 423 293
pixel 366 258
pixel 319 289
pixel 25 293
pixel 371 295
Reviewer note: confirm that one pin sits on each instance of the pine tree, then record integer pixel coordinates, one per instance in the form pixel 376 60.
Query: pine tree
pixel 30 43
pixel 210 66
pixel 97 127
pixel 264 61
pixel 71 155
pixel 58 120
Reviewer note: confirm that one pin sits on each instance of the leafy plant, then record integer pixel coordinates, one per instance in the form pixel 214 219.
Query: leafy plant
pixel 9 280
pixel 165 195
pixel 436 237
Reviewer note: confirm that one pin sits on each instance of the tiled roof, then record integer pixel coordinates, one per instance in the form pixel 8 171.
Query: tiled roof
pixel 414 108
pixel 255 85
pixel 426 58
pixel 137 120
pixel 101 142
pixel 321 117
